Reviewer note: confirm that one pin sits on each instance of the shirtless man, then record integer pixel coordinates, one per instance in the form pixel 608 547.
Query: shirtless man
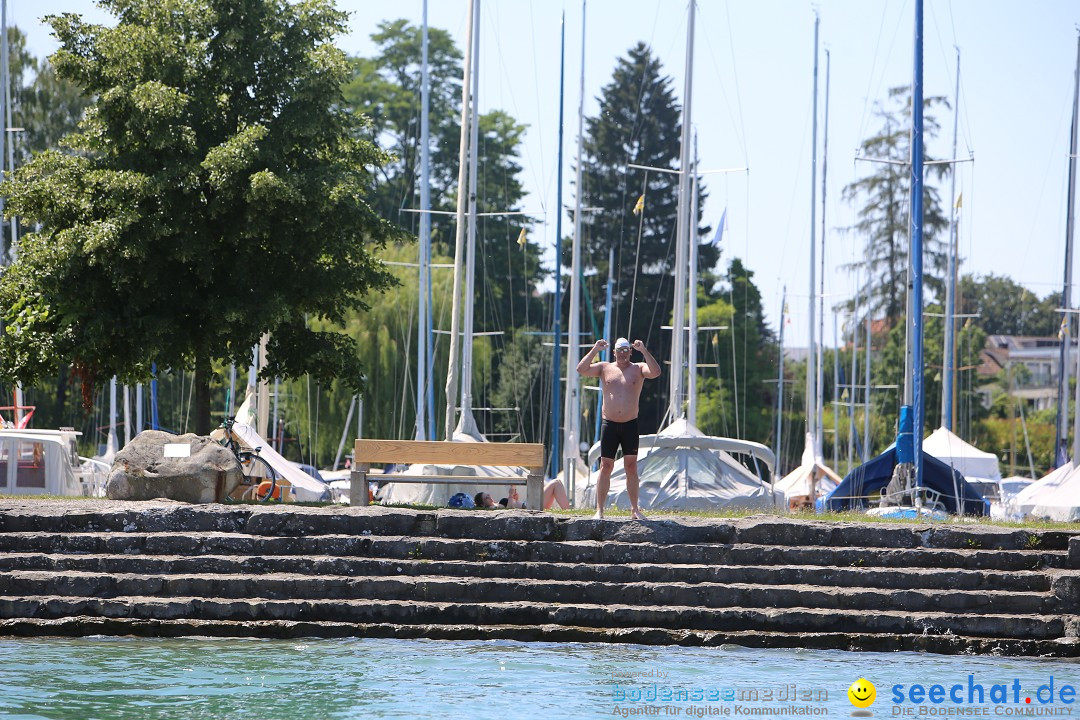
pixel 621 383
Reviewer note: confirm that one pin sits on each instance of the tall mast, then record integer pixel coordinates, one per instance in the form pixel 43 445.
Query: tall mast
pixel 573 325
pixel 557 374
pixel 914 372
pixel 811 371
pixel 607 332
pixel 5 101
pixel 422 325
pixel 682 233
pixel 1066 291
pixel 950 281
pixel 820 435
pixel 466 423
pixel 691 405
pixel 780 385
pixel 459 243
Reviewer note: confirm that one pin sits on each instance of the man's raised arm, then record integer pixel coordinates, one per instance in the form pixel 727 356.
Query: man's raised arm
pixel 652 368
pixel 587 367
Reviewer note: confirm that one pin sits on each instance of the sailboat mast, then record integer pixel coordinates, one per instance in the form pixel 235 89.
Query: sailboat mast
pixel 950 281
pixel 422 337
pixel 459 242
pixel 780 385
pixel 682 233
pixel 811 371
pixel 1066 291
pixel 466 422
pixel 556 401
pixel 820 434
pixel 573 325
pixel 4 168
pixel 691 351
pixel 915 319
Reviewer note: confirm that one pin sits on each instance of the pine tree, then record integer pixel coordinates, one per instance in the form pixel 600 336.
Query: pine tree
pixel 884 217
pixel 639 122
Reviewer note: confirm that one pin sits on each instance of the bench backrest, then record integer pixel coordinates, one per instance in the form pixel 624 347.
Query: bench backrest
pixel 527 455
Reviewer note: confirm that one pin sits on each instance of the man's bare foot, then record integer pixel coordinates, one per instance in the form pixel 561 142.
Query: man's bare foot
pixel 599 515
pixel 637 515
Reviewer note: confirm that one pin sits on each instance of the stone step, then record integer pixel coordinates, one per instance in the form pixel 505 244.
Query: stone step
pixel 282 586
pixel 21 516
pixel 861 577
pixel 80 626
pixel 610 616
pixel 582 551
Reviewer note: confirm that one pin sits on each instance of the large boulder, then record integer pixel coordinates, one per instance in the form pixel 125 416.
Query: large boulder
pixel 142 472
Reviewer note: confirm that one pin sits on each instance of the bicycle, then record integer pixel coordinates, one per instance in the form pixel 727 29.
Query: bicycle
pixel 258 475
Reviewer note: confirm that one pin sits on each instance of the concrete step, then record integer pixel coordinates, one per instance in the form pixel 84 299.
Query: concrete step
pixel 282 586
pixel 582 551
pixel 1004 627
pixel 861 577
pixel 80 626
pixel 292 521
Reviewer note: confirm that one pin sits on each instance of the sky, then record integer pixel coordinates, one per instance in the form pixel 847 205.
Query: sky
pixel 752 108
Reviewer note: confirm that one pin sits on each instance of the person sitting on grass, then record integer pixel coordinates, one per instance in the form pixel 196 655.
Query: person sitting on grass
pixel 554 492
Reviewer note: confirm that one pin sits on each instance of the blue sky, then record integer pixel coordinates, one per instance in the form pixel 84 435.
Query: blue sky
pixel 752 107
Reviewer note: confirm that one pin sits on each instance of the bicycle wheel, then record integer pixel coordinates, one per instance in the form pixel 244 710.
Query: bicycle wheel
pixel 262 478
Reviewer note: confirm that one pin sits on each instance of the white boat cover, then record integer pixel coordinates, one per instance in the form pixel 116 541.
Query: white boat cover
pixel 1055 497
pixel 304 487
pixel 812 477
pixel 684 476
pixel 439 494
pixel 973 463
pixel 36 462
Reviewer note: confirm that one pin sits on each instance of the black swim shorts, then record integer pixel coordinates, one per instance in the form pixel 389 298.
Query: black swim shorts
pixel 613 434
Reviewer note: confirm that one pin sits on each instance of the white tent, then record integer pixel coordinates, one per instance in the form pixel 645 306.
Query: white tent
pixel 812 479
pixel 1055 497
pixel 682 468
pixel 973 463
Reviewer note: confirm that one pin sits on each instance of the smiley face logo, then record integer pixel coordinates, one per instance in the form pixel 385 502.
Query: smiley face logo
pixel 862 693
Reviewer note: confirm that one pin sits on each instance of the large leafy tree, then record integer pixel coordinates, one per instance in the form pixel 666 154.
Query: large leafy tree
pixel 884 198
pixel 215 193
pixel 1004 307
pixel 639 123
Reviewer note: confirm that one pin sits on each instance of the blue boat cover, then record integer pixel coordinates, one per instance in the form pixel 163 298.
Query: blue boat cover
pixel 875 474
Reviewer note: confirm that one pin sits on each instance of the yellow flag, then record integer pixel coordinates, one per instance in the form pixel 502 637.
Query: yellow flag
pixel 521 239
pixel 640 206
pixel 960 200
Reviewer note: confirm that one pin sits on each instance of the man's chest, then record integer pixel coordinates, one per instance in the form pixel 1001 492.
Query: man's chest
pixel 618 379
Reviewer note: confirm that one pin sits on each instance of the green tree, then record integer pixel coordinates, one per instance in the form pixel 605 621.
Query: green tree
pixel 1004 307
pixel 639 122
pixel 883 217
pixel 215 194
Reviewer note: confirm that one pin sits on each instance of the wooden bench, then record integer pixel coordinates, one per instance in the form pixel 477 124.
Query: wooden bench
pixel 526 455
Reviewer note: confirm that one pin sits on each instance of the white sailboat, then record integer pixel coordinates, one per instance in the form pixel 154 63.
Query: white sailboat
pixel 680 467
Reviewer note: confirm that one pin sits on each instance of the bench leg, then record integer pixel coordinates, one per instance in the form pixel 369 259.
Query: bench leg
pixel 534 492
pixel 358 488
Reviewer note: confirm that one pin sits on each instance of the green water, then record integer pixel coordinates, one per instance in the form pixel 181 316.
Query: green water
pixel 117 678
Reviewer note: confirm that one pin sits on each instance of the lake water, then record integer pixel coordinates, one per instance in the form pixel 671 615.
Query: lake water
pixel 117 678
